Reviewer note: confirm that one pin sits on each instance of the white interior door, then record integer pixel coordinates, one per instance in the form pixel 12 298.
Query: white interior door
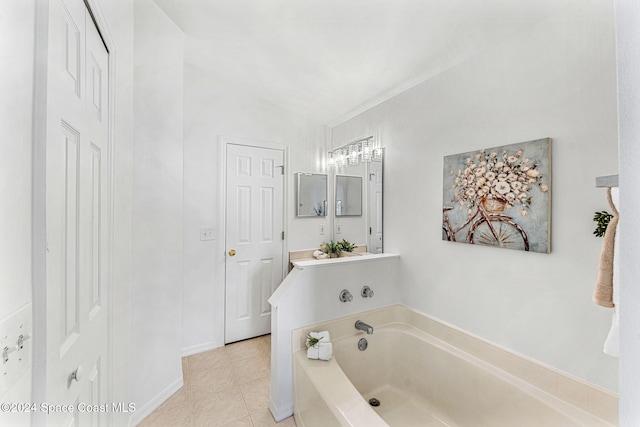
pixel 77 215
pixel 374 245
pixel 254 238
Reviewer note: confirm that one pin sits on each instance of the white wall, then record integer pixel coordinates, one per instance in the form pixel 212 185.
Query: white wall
pixel 556 79
pixel 214 107
pixel 157 209
pixel 627 24
pixel 322 284
pixel 17 29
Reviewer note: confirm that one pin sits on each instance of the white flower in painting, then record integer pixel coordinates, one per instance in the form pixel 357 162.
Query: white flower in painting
pixel 486 189
pixel 490 176
pixel 481 181
pixel 532 180
pixel 480 171
pixel 467 171
pixel 470 192
pixel 472 166
pixel 519 152
pixel 544 188
pixel 479 156
pixel 533 173
pixel 525 161
pixel 516 185
pixel 512 159
pixel 502 177
pixel 510 197
pixel 524 212
pixel 525 188
pixel 522 196
pixel 483 163
pixel 502 187
pixel 494 155
pixel 506 169
pixel 499 165
pixel 468 161
pixel 512 177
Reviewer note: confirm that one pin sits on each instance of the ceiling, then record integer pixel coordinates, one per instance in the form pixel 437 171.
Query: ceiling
pixel 330 59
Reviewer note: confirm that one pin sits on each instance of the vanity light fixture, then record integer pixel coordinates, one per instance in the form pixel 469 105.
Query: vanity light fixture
pixel 351 154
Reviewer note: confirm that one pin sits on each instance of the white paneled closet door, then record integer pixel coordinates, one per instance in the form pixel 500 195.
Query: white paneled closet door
pixel 254 238
pixel 77 218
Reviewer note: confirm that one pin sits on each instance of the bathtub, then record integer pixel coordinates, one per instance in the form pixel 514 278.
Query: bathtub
pixel 426 373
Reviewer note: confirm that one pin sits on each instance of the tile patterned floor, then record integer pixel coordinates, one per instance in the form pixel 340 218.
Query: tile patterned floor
pixel 224 387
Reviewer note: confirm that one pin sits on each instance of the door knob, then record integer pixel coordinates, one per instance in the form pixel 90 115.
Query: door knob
pixel 76 375
pixel 232 252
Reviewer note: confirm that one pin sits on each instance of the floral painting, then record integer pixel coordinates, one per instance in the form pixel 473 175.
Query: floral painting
pixel 499 196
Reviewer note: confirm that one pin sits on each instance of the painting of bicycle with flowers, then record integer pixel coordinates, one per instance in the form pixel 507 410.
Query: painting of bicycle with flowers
pixel 499 196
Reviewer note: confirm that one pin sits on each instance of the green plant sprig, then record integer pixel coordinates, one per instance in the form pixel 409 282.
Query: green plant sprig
pixel 311 341
pixel 602 219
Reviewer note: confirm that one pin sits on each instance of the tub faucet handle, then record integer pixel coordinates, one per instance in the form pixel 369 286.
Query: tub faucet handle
pixel 366 292
pixel 345 296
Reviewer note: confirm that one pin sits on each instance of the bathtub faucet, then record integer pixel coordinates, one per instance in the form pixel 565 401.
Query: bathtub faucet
pixel 364 327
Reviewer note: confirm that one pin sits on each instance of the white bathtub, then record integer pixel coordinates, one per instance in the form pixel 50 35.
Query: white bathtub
pixel 426 373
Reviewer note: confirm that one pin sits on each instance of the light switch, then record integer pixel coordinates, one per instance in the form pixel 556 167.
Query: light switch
pixel 338 229
pixel 207 233
pixel 322 229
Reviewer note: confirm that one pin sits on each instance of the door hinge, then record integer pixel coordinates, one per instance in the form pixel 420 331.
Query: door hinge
pixel 283 235
pixel 281 169
pixel 369 230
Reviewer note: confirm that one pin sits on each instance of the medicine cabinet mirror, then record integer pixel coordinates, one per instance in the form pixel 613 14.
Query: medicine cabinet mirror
pixel 311 194
pixel 348 195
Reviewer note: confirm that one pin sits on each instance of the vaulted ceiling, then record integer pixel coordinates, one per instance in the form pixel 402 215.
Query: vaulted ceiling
pixel 329 59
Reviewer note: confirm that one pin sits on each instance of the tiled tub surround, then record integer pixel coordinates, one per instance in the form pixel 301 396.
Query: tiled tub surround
pixel 428 373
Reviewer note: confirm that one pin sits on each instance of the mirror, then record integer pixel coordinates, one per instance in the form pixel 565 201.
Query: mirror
pixel 311 194
pixel 348 195
pixel 365 227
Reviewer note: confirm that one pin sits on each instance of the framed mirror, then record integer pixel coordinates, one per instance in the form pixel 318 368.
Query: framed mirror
pixel 348 195
pixel 311 194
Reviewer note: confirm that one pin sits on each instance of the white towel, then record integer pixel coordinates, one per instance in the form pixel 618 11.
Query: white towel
pixel 612 344
pixel 320 255
pixel 323 349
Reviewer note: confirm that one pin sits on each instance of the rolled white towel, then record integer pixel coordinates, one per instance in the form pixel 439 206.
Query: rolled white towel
pixel 325 351
pixel 320 255
pixel 321 351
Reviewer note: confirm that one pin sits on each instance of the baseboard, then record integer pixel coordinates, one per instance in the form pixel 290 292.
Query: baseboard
pixel 195 349
pixel 280 414
pixel 144 411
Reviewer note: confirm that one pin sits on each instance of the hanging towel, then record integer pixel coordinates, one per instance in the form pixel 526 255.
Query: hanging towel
pixel 603 293
pixel 612 344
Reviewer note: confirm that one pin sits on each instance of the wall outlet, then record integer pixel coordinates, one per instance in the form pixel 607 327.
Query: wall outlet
pixel 338 229
pixel 15 346
pixel 207 233
pixel 322 229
